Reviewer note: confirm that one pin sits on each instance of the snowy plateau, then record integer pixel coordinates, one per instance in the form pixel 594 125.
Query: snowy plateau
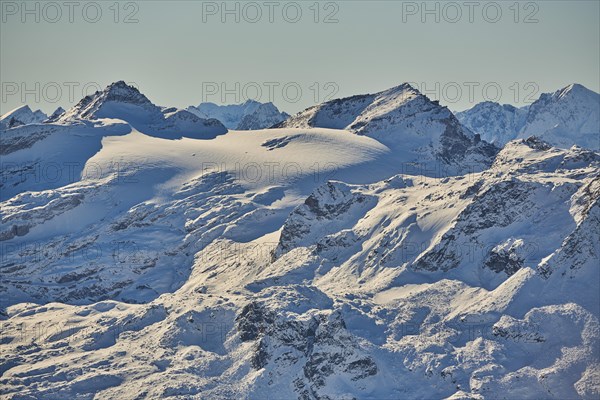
pixel 371 247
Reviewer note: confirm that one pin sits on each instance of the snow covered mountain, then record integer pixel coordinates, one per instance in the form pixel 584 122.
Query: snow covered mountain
pixel 21 116
pixel 568 116
pixel 56 115
pixel 301 262
pixel 407 122
pixel 265 116
pixel 249 115
pixel 119 101
pixel 496 123
pixel 124 102
pixel 408 287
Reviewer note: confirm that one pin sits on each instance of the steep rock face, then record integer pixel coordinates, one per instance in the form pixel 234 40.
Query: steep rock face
pixel 501 207
pixel 406 121
pixel 577 257
pixel 516 198
pixel 496 123
pixel 330 208
pixel 21 116
pixel 55 116
pixel 458 148
pixel 310 348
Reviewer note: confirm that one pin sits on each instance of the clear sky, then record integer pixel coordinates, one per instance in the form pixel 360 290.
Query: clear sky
pixel 184 52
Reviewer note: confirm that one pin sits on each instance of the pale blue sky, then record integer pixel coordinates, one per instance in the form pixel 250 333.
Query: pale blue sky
pixel 175 51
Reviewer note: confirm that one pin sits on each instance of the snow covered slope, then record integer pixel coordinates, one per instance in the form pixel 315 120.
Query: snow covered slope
pixel 21 116
pixel 407 122
pixel 250 115
pixel 409 287
pixel 38 157
pixel 121 179
pixel 296 263
pixel 49 156
pixel 566 117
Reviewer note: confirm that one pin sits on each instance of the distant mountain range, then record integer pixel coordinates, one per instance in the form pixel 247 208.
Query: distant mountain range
pixel 121 101
pixel 21 116
pixel 404 120
pixel 568 116
pixel 250 115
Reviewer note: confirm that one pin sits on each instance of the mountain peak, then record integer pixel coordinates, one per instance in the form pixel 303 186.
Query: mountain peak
pixel 403 87
pixel 562 118
pixel 248 115
pixel 251 102
pixel 109 103
pixel 401 93
pixel 22 115
pixel 55 116
pixel 23 108
pixel 122 92
pixel 494 122
pixel 575 86
pixel 403 119
pixel 119 84
pixel 568 116
pixel 574 90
